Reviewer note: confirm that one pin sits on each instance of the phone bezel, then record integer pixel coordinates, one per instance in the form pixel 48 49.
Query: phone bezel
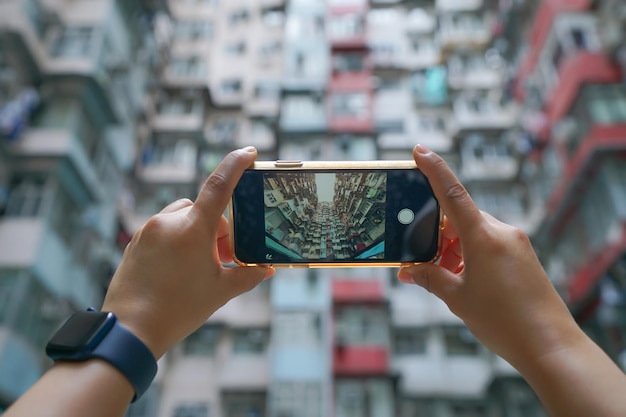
pixel 287 165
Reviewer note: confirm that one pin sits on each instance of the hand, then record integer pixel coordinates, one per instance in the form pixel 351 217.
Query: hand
pixel 490 277
pixel 171 277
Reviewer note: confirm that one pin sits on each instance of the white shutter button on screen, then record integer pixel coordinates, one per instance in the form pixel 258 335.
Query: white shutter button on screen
pixel 406 216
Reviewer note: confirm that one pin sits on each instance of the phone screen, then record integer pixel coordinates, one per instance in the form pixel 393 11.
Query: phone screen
pixel 334 217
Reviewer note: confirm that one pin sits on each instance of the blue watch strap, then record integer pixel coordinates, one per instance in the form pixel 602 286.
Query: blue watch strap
pixel 130 355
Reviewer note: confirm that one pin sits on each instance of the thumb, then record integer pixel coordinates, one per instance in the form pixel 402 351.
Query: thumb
pixel 433 278
pixel 243 279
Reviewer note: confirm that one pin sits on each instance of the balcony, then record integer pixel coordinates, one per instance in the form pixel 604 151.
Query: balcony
pixel 306 64
pixel 420 22
pixel 182 123
pixel 600 138
pixel 433 130
pixel 191 71
pixel 576 71
pixel 168 162
pixel 474 72
pixel 467 31
pixel 458 5
pixel 487 157
pixel 360 361
pixel 540 31
pixel 485 113
pixel 61 143
pixel 302 113
pixel 350 104
pixel 591 235
pixel 346 292
pixel 346 31
pixel 430 87
pixel 20 240
pixel 264 100
pixel 424 374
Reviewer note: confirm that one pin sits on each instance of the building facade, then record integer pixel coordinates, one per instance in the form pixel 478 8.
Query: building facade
pixel 111 109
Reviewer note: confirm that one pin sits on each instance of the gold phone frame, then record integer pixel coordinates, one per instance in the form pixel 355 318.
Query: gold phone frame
pixel 289 165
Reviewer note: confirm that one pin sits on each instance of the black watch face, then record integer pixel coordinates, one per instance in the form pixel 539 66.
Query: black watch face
pixel 79 330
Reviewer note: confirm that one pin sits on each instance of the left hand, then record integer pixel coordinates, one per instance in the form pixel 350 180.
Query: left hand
pixel 171 277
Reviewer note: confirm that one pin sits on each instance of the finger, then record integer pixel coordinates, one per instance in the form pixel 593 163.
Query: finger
pixel 223 227
pixel 224 251
pixel 452 256
pixel 218 188
pixel 441 282
pixel 176 205
pixel 449 232
pixel 453 197
pixel 243 279
pixel 223 241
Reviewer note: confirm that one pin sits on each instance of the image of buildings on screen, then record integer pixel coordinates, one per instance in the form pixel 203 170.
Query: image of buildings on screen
pixel 325 216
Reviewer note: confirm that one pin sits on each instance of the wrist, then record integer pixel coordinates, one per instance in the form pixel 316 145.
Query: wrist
pixel 546 340
pixel 88 335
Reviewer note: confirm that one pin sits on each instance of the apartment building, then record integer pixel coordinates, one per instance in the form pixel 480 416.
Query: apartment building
pixel 124 106
pixel 73 78
pixel 571 80
pixel 333 83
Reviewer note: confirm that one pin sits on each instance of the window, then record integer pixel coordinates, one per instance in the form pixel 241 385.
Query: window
pixel 224 131
pixel 9 284
pixel 467 410
pixel 273 18
pixel 27 194
pixel 235 48
pixel 192 66
pixel 171 103
pixel 199 409
pixel 270 48
pixel 201 2
pixel 202 342
pixel 301 107
pixel 188 31
pixel 350 105
pixel 417 407
pixel 363 397
pixel 238 17
pixel 74 42
pixel 460 341
pixel 352 62
pixel 65 216
pixel 250 341
pixel 346 26
pixel 296 399
pixel 57 112
pixel 38 312
pixel 362 325
pixel 607 104
pixel 267 91
pixel 297 328
pixel 172 152
pixel 239 404
pixel 410 341
pixel 231 87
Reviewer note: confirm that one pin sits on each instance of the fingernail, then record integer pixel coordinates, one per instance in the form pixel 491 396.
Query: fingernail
pixel 269 273
pixel 405 276
pixel 419 148
pixel 250 149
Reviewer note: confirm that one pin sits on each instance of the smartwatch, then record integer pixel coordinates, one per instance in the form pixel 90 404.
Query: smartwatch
pixel 95 334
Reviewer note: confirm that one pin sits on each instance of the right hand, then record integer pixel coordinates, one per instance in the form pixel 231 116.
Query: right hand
pixel 490 277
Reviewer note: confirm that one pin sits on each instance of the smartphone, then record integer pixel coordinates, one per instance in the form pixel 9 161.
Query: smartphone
pixel 334 214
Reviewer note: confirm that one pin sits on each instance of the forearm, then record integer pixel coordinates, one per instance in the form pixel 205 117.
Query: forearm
pixel 580 380
pixel 93 388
